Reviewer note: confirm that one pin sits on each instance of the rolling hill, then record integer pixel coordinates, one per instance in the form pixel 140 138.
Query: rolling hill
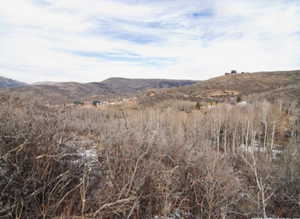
pixel 247 83
pixel 57 93
pixel 250 86
pixel 271 85
pixel 121 85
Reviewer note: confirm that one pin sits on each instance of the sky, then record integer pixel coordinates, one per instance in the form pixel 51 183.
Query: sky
pixel 91 40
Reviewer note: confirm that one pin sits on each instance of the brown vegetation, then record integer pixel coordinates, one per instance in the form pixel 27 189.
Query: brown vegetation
pixel 68 92
pixel 262 85
pixel 170 160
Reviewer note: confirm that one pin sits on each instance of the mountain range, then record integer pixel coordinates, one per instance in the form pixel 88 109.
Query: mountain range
pixel 9 83
pixel 269 85
pixel 61 92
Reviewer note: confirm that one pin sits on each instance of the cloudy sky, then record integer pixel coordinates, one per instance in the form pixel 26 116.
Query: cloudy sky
pixel 91 40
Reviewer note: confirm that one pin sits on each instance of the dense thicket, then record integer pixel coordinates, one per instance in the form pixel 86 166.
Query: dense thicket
pixel 170 160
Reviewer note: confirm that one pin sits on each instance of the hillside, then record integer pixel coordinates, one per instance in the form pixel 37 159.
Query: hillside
pixel 285 84
pixel 270 85
pixel 57 93
pixel 120 85
pixel 8 83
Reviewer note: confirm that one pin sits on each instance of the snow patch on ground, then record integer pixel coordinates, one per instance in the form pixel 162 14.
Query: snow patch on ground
pixel 258 148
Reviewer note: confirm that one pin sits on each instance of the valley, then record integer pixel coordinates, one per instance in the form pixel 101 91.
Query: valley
pixel 142 149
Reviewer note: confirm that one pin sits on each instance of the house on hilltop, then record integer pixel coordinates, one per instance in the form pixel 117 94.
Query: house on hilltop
pixel 232 72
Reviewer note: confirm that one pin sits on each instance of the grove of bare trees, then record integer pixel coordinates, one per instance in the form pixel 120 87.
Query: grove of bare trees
pixel 172 160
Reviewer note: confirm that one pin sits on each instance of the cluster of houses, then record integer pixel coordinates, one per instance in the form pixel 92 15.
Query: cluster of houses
pixel 99 103
pixel 115 102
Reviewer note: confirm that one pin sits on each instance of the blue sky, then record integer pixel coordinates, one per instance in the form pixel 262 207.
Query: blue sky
pixel 91 40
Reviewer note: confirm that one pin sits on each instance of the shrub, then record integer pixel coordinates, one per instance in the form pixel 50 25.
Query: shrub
pixel 156 161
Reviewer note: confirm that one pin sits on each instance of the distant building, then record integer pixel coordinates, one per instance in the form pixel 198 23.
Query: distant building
pixel 97 102
pixel 227 73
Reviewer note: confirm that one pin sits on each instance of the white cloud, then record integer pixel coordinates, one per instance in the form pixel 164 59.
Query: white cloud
pixel 35 37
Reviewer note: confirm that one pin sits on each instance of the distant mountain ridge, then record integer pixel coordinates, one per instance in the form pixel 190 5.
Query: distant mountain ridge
pixel 133 85
pixel 270 85
pixel 10 83
pixel 62 92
